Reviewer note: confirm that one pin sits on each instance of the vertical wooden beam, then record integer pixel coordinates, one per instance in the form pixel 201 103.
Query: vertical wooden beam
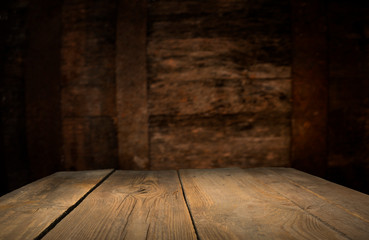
pixel 42 81
pixel 88 84
pixel 309 86
pixel 132 85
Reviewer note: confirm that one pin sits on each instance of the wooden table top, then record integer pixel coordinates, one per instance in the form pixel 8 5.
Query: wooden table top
pixel 259 203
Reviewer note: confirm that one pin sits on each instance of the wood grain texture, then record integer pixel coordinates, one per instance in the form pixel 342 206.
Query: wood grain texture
pixel 214 60
pixel 354 202
pixel 130 205
pixel 343 209
pixel 231 204
pixel 26 212
pixel 235 140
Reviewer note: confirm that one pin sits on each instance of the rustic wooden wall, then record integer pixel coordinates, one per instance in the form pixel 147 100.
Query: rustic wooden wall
pixel 184 84
pixel 219 83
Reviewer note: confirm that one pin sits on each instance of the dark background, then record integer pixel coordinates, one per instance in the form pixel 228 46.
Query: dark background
pixel 171 84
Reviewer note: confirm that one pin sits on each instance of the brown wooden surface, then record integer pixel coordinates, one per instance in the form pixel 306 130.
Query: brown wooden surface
pixel 339 208
pixel 234 203
pixel 130 205
pixel 26 212
pixel 354 202
pixel 219 79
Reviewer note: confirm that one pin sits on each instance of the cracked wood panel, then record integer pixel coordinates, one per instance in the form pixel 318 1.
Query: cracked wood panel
pixel 130 205
pixel 28 211
pixel 232 204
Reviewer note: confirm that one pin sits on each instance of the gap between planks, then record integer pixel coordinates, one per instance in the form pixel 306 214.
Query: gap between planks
pixel 71 208
pixel 263 200
pixel 77 203
pixel 188 207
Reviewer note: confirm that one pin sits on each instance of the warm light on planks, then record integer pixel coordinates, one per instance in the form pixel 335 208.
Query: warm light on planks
pixel 26 212
pixel 259 203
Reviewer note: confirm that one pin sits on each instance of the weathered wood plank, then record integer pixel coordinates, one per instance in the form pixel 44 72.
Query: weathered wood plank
pixel 238 19
pixel 211 60
pixel 354 202
pixel 219 96
pixel 341 208
pixel 241 140
pixel 130 205
pixel 231 204
pixel 28 211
